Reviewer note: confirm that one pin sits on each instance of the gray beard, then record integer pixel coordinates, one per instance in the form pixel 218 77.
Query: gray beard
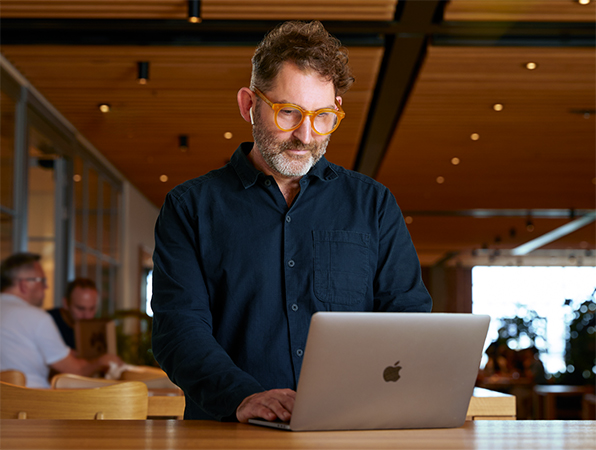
pixel 273 152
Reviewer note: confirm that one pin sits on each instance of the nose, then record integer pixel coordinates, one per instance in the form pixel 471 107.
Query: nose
pixel 304 132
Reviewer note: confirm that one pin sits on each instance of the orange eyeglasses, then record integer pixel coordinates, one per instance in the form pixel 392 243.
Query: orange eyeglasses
pixel 289 117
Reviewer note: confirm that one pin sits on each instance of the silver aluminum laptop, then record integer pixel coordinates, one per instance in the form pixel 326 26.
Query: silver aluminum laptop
pixel 387 370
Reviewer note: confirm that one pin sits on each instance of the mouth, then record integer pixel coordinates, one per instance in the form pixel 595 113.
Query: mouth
pixel 297 152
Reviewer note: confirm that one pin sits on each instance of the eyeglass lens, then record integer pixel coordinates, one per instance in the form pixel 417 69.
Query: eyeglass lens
pixel 288 118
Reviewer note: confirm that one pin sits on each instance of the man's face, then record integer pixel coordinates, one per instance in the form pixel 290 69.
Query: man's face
pixel 32 284
pixel 293 153
pixel 82 304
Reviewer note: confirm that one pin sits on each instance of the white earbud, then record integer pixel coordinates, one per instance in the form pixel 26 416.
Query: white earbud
pixel 252 120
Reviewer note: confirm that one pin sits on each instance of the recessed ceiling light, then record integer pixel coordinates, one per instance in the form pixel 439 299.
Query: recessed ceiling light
pixel 183 143
pixel 228 135
pixel 474 136
pixel 143 72
pixel 583 2
pixel 498 107
pixel 440 180
pixel 455 161
pixel 104 107
pixel 194 11
pixel 531 65
pixel 163 178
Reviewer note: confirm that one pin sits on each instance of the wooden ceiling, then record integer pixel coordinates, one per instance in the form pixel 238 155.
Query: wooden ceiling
pixel 428 75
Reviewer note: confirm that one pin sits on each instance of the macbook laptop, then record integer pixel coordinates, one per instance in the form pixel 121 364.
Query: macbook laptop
pixel 387 370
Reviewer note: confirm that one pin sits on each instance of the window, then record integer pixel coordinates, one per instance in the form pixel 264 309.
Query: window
pixel 554 293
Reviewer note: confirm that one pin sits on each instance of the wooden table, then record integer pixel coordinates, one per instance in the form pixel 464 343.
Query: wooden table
pixel 165 402
pixel 187 434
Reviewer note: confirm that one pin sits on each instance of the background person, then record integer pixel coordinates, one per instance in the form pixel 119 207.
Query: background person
pixel 30 341
pixel 246 254
pixel 79 303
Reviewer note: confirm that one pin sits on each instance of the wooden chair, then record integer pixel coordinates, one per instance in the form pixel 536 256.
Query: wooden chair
pixel 118 401
pixel 161 403
pixel 72 381
pixel 14 377
pixel 153 377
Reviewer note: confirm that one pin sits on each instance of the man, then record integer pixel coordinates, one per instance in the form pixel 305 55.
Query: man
pixel 30 340
pixel 246 254
pixel 79 303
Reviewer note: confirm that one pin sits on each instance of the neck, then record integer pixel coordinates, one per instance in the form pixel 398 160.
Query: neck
pixel 16 293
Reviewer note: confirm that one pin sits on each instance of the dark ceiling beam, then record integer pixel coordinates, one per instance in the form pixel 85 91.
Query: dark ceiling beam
pixel 180 32
pixel 402 60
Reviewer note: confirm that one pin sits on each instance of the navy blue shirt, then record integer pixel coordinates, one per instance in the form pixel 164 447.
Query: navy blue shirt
pixel 238 275
pixel 65 330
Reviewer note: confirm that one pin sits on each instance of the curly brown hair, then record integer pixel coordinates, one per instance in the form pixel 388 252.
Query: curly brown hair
pixel 308 45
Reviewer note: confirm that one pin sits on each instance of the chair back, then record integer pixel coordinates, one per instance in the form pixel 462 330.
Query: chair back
pixel 14 377
pixel 153 377
pixel 72 381
pixel 162 401
pixel 118 401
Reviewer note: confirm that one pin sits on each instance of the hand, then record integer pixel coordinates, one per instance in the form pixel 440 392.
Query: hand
pixel 106 359
pixel 270 405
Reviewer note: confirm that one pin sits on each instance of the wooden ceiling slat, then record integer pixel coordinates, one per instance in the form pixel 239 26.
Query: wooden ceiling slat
pixel 210 9
pixel 533 154
pixel 520 11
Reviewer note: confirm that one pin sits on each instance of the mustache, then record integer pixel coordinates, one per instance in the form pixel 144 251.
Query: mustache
pixel 297 144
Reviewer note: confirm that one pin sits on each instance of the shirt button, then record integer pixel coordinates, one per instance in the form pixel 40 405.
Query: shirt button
pixel 267 183
pixel 288 219
pixel 294 307
pixel 299 352
pixel 291 263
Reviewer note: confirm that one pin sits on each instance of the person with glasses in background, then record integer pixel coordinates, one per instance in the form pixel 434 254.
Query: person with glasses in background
pixel 246 254
pixel 31 342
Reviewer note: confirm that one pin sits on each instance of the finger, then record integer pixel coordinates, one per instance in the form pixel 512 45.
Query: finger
pixel 268 405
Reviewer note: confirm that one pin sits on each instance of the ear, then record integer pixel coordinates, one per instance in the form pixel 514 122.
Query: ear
pixel 246 101
pixel 22 287
pixel 339 100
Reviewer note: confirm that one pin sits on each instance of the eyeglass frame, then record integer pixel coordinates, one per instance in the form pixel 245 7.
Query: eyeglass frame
pixel 340 113
pixel 43 280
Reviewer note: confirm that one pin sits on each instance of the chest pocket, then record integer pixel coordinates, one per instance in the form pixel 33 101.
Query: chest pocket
pixel 341 266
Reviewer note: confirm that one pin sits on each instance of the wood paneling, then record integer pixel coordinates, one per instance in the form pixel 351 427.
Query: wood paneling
pixel 210 9
pixel 191 91
pixel 538 153
pixel 520 10
pixel 535 153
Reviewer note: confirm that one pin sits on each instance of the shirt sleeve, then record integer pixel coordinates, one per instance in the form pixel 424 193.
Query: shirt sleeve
pixel 50 342
pixel 398 284
pixel 183 341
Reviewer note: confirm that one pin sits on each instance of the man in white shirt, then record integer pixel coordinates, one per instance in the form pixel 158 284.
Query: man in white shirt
pixel 29 339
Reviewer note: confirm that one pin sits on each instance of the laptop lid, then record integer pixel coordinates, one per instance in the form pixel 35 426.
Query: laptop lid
pixel 388 370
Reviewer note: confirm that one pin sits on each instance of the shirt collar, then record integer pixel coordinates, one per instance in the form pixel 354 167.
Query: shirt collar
pixel 248 174
pixel 13 298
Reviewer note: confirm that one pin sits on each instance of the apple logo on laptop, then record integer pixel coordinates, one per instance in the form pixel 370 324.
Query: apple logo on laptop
pixel 391 373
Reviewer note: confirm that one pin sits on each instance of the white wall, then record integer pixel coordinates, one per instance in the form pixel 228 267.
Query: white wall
pixel 139 216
